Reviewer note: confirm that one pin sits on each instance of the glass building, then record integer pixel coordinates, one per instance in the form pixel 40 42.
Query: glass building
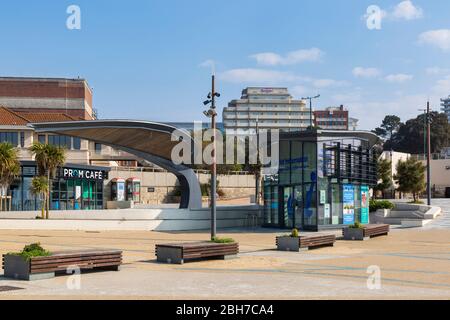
pixel 323 180
pixel 76 187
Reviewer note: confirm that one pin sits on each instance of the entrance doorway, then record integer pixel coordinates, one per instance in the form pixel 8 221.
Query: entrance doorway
pixel 291 210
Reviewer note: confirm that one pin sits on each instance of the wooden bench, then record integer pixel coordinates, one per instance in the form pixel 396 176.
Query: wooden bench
pixel 46 267
pixel 180 252
pixel 366 232
pixel 286 243
pixel 373 230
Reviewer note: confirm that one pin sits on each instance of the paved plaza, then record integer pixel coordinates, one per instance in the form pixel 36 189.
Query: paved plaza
pixel 414 264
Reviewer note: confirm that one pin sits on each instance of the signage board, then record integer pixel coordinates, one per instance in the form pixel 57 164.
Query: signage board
pixel 327 211
pixel 71 173
pixel 364 204
pixel 349 204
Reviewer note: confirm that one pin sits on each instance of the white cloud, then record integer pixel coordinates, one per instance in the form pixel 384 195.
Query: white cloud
pixel 209 64
pixel 299 90
pixel 438 38
pixel 434 71
pixel 399 78
pixel 442 87
pixel 294 57
pixel 361 72
pixel 407 10
pixel 257 76
pixel 325 83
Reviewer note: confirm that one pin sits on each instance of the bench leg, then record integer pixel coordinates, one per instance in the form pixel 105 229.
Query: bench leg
pixel 229 257
pixel 110 268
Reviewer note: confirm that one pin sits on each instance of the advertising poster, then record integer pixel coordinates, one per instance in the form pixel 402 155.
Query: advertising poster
pixel 349 204
pixel 364 204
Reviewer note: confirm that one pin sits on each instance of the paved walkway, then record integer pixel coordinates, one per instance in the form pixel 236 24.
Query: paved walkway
pixel 414 263
pixel 444 220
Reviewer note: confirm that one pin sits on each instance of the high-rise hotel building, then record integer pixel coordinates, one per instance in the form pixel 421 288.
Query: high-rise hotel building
pixel 271 108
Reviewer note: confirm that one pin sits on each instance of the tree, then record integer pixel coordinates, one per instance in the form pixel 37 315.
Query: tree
pixel 48 158
pixel 388 127
pixel 384 176
pixel 410 135
pixel 40 187
pixel 9 166
pixel 410 177
pixel 391 124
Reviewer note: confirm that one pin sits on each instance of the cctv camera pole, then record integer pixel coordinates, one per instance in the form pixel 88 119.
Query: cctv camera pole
pixel 428 154
pixel 214 165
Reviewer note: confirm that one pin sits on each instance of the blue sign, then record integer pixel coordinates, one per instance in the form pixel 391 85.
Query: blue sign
pixel 349 204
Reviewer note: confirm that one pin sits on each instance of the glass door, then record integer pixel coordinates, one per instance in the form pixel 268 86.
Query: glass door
pixel 287 209
pixel 298 197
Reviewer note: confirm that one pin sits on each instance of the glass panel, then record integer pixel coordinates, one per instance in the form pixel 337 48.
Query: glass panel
pixel 298 194
pixel 274 205
pixel 288 208
pixel 284 171
pixel 297 162
pixel 310 204
pixel 76 143
pixel 310 162
pixel 267 206
pixel 77 200
pixel 336 204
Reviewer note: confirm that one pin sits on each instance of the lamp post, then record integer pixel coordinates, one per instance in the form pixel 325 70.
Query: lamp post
pixel 428 154
pixel 425 117
pixel 211 113
pixel 310 108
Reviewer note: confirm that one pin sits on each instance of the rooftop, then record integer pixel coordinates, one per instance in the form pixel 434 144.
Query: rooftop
pixel 9 117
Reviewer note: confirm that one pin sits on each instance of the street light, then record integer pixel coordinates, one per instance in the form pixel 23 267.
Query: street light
pixel 310 108
pixel 428 154
pixel 211 113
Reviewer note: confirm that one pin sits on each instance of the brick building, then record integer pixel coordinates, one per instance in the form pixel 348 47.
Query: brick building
pixel 332 118
pixel 48 95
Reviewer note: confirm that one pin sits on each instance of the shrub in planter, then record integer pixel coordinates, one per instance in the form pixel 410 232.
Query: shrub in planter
pixel 290 242
pixel 375 205
pixel 222 240
pixel 354 232
pixel 17 264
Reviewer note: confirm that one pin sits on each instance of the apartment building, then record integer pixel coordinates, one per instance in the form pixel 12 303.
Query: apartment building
pixel 267 108
pixel 332 118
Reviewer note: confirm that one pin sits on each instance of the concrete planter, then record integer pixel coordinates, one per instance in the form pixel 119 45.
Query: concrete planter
pixel 17 267
pixel 383 212
pixel 354 234
pixel 287 243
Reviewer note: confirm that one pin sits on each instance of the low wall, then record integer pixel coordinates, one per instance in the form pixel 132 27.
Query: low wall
pixel 164 219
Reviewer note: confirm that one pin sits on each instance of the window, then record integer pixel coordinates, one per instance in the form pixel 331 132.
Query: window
pixel 60 141
pixel 76 143
pixel 22 139
pixel 41 138
pixel 98 148
pixel 11 137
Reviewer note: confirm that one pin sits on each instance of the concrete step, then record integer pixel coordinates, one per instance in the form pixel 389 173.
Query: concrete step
pixel 406 214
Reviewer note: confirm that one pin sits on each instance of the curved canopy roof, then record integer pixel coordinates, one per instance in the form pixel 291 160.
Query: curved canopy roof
pixel 151 141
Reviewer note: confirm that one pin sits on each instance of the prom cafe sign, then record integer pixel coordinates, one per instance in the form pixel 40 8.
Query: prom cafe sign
pixel 69 173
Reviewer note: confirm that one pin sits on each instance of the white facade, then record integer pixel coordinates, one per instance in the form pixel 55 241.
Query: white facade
pixel 271 108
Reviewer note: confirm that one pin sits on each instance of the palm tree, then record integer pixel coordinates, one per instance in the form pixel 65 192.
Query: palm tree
pixel 9 167
pixel 48 158
pixel 40 187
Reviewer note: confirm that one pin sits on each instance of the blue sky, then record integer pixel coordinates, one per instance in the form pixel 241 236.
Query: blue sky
pixel 149 59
